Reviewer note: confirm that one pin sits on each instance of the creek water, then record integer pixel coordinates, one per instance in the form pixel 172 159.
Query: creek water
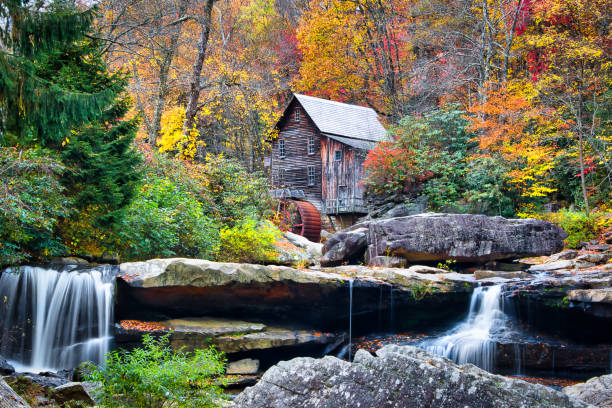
pixel 55 319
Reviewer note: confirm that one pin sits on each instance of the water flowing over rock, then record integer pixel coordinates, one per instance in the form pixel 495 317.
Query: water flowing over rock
pixel 471 341
pixel 437 237
pixel 54 319
pixel 399 376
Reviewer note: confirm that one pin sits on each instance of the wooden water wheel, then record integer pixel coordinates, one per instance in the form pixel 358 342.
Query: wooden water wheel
pixel 301 217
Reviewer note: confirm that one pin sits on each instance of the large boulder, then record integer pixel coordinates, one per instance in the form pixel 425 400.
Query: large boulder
pixel 399 376
pixel 597 391
pixel 73 392
pixel 293 249
pixel 346 246
pixel 438 237
pixel 9 398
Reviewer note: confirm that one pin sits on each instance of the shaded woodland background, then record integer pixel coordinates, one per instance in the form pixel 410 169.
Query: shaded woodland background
pixel 495 106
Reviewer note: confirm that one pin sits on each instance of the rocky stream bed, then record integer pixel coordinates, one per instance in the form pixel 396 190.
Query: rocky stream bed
pixel 551 321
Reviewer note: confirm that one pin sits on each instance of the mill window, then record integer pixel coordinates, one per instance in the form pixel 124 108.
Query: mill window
pixel 338 155
pixel 311 175
pixel 311 144
pixel 281 148
pixel 297 115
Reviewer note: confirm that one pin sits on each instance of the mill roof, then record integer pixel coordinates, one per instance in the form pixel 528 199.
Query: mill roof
pixel 355 125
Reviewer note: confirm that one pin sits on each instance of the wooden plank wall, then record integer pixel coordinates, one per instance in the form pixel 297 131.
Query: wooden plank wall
pixel 296 161
pixel 347 172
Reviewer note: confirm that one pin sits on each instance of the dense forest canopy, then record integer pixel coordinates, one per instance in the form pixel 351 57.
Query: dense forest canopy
pixel 131 109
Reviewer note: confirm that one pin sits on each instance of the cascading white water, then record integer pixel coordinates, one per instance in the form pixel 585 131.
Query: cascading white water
pixel 471 341
pixel 54 319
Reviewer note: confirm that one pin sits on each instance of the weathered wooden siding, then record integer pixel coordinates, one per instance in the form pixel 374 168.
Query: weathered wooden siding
pixel 296 161
pixel 340 176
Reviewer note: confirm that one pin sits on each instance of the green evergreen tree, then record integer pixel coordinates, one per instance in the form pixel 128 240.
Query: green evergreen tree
pixel 34 109
pixel 102 162
pixel 57 93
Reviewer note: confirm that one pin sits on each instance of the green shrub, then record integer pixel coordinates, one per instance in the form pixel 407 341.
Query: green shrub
pixel 155 376
pixel 249 242
pixel 578 225
pixel 32 202
pixel 164 221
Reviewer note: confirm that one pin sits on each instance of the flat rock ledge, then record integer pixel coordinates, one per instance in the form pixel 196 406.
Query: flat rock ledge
pixel 314 297
pixel 229 336
pixel 398 376
pixel 432 237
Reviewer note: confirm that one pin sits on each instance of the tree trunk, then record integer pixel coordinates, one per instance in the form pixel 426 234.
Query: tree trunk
pixel 195 87
pixel 164 69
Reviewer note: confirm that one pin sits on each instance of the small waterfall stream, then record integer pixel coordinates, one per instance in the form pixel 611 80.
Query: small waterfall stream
pixel 471 341
pixel 53 319
pixel 350 335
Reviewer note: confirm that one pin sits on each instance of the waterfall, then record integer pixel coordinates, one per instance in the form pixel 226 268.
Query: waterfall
pixel 54 319
pixel 471 341
pixel 350 318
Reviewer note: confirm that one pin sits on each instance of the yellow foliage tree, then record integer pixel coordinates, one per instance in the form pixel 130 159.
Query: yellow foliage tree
pixel 511 125
pixel 174 140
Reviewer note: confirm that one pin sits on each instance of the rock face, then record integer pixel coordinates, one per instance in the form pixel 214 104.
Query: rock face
pixel 571 303
pixel 597 391
pixel 400 376
pixel 9 398
pixel 316 298
pixel 438 237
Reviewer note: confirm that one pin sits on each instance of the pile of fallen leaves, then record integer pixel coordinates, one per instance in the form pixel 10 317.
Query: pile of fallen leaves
pixel 137 325
pixel 551 382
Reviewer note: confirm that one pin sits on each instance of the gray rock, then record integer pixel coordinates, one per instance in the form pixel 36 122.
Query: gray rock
pixel 243 367
pixel 596 391
pixel 317 298
pixel 9 398
pixel 594 258
pixel 199 273
pixel 426 269
pixel 462 237
pixel 388 262
pixel 484 274
pixel 567 254
pixel 553 266
pixel 313 248
pixel 6 368
pixel 400 376
pixel 598 247
pixel 72 392
pixel 603 295
pixel 345 246
pixel 438 237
